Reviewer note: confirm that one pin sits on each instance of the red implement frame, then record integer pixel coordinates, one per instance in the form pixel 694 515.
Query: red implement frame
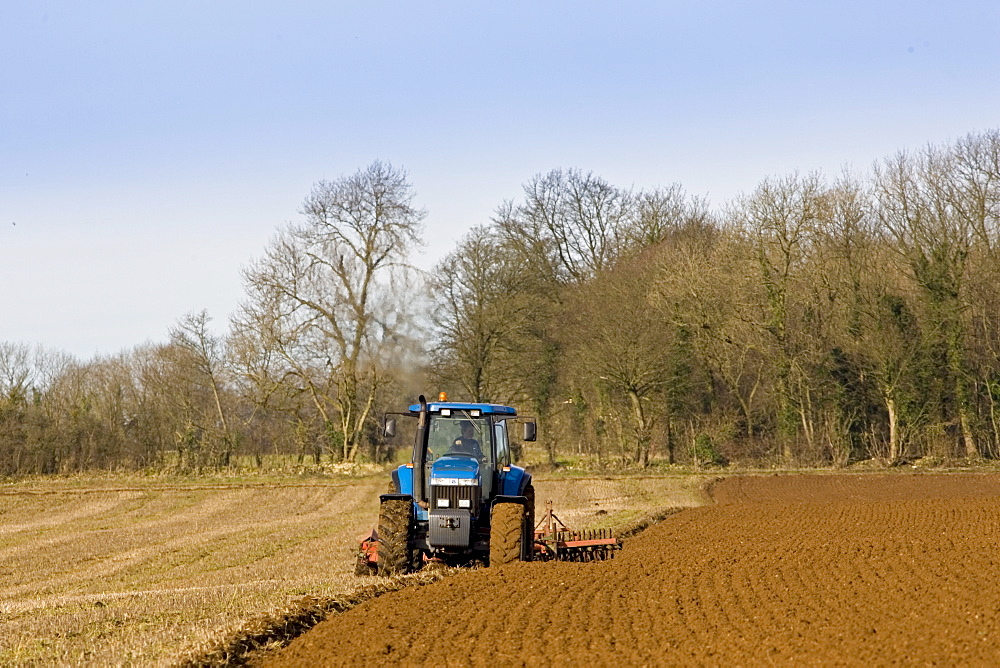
pixel 555 541
pixel 367 563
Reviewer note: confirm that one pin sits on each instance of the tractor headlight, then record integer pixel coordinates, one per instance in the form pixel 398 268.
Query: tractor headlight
pixel 446 503
pixel 455 482
pixel 464 503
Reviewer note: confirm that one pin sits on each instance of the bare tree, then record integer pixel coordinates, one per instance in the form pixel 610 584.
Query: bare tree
pixel 916 206
pixel 483 313
pixel 16 371
pixel 199 358
pixel 331 287
pixel 781 218
pixel 616 334
pixel 664 213
pixel 974 187
pixel 571 225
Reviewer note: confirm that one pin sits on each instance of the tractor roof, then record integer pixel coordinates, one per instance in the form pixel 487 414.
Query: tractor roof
pixel 485 409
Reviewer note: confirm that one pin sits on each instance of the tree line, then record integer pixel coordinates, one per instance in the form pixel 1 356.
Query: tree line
pixel 813 321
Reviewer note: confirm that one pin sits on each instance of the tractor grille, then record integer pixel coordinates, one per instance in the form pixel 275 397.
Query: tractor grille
pixel 455 493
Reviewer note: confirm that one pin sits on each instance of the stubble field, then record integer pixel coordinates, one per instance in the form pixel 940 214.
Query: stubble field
pixel 788 570
pixel 107 571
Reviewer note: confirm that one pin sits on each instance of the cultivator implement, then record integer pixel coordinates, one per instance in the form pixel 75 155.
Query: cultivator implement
pixel 554 541
pixel 367 559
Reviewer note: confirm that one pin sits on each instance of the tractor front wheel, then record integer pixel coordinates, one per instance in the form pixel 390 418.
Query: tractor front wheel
pixel 394 522
pixel 507 533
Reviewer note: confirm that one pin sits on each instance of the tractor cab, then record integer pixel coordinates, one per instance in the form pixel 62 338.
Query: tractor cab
pixel 466 446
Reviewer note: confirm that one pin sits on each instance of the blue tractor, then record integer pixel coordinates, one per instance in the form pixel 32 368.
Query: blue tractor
pixel 459 499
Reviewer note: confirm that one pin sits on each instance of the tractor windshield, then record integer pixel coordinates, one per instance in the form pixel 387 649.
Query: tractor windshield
pixel 459 434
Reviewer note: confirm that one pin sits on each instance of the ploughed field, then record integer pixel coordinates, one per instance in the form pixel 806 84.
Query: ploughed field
pixel 128 570
pixel 843 569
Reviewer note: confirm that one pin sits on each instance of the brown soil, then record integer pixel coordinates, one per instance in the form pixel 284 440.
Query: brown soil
pixel 818 569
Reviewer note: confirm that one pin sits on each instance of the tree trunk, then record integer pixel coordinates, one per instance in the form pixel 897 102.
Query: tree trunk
pixel 642 430
pixel 890 406
pixel 993 421
pixel 670 441
pixel 968 438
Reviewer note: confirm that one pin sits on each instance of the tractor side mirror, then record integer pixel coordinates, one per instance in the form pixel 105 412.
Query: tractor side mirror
pixel 390 428
pixel 529 431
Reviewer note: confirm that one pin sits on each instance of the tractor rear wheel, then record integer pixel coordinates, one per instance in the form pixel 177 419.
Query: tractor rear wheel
pixel 507 533
pixel 529 523
pixel 394 522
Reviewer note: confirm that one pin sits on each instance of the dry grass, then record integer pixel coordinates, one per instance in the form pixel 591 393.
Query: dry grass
pixel 135 571
pixel 253 643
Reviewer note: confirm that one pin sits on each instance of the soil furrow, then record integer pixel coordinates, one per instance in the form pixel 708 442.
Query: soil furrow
pixel 841 569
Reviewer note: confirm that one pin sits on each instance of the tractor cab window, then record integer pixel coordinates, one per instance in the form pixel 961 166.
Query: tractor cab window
pixel 458 434
pixel 503 447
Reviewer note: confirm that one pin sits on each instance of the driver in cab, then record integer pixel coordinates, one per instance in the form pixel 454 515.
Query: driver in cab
pixel 467 444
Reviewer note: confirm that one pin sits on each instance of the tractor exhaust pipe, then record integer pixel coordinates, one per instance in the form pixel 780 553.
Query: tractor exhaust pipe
pixel 420 453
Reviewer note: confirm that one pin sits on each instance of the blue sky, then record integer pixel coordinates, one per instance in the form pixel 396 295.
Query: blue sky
pixel 148 150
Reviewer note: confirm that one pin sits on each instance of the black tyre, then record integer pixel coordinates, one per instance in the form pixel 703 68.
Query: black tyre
pixel 507 533
pixel 529 523
pixel 416 561
pixel 394 522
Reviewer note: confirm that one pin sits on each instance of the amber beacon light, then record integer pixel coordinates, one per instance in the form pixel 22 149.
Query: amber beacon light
pixel 442 396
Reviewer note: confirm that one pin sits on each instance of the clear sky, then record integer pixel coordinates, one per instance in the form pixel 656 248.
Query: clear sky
pixel 148 150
